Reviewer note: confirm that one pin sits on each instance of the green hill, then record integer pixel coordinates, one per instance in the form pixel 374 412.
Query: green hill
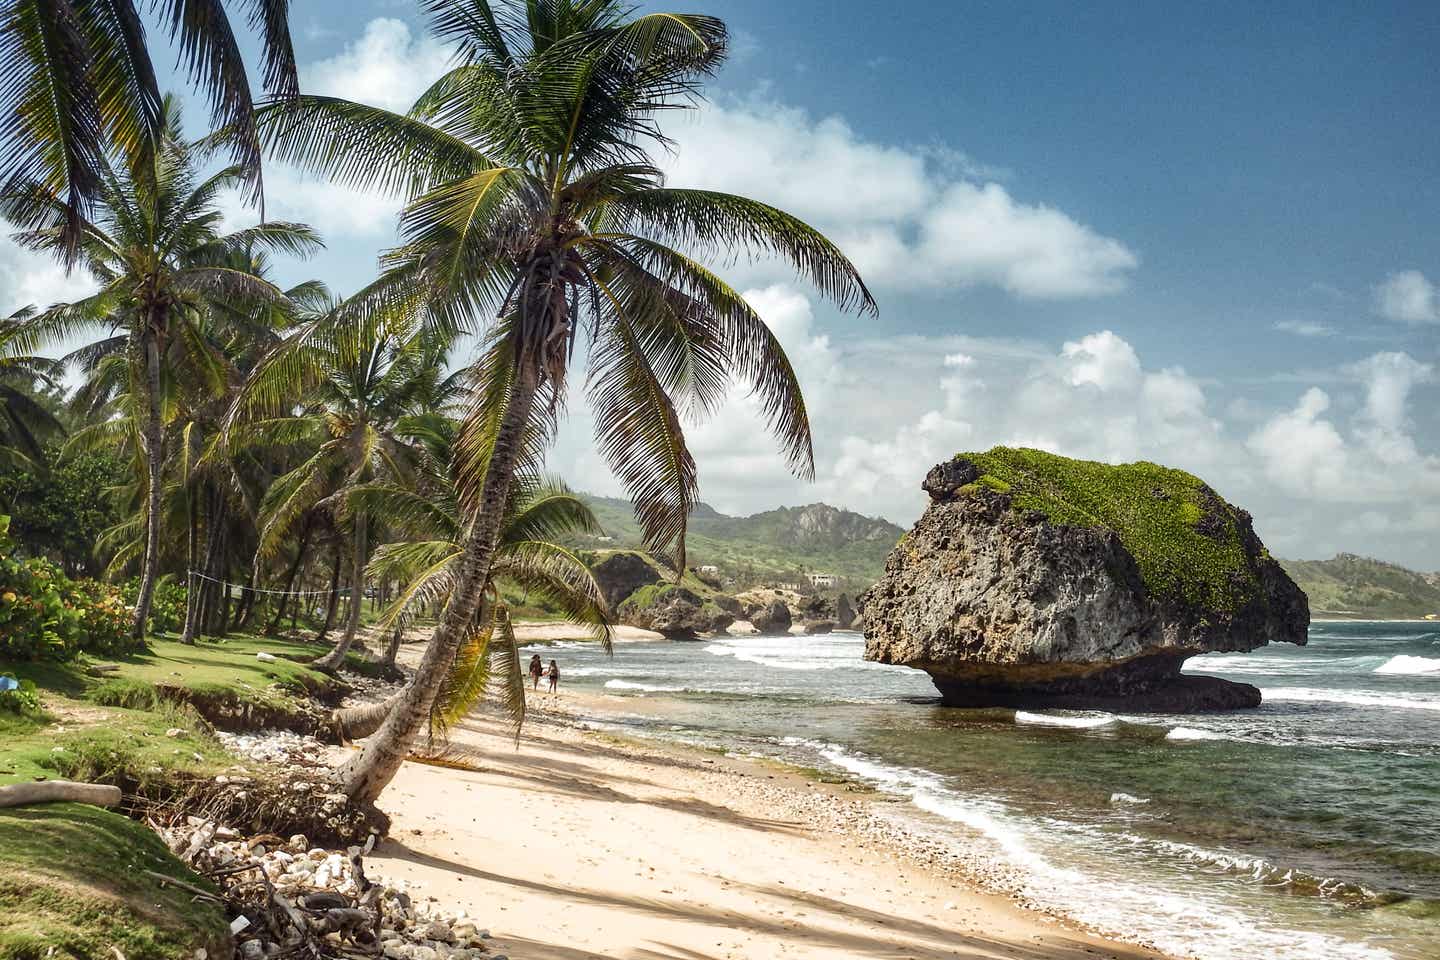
pixel 1364 588
pixel 782 544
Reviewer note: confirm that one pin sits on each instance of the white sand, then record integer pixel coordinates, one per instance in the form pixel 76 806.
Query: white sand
pixel 577 847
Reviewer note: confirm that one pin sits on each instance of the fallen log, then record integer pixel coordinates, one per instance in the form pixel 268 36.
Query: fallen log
pixel 56 791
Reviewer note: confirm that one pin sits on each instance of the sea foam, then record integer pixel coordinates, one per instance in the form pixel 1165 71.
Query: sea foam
pixel 1355 699
pixel 1190 733
pixel 1409 666
pixel 643 687
pixel 1050 720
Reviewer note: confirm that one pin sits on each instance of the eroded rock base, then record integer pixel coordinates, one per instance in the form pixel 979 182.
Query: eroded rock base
pixel 1147 685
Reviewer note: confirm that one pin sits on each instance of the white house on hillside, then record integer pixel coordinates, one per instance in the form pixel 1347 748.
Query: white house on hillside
pixel 822 579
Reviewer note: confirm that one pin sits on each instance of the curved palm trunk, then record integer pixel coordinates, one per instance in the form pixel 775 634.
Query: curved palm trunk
pixel 332 660
pixel 357 723
pixel 368 773
pixel 152 435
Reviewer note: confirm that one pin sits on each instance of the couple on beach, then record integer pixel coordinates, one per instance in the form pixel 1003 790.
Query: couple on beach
pixel 537 671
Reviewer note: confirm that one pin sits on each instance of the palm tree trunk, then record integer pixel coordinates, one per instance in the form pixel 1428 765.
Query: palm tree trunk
pixel 152 434
pixel 368 773
pixel 357 723
pixel 194 585
pixel 333 600
pixel 251 599
pixel 332 660
pixel 274 626
pixel 392 649
pixel 213 534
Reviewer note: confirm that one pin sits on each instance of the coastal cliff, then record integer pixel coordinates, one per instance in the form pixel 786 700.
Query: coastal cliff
pixel 1037 580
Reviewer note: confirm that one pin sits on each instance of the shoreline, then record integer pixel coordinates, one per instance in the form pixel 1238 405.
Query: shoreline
pixel 580 844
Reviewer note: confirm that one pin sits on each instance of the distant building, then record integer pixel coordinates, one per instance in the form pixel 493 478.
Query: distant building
pixel 708 569
pixel 825 580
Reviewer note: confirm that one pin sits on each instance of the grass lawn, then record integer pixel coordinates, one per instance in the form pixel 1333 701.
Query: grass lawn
pixel 72 885
pixel 71 876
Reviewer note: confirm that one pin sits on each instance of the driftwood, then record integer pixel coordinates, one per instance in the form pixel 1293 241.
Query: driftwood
pixel 55 791
pixel 187 887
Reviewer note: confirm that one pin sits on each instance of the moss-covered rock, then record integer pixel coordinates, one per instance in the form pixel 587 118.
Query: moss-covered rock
pixel 1035 578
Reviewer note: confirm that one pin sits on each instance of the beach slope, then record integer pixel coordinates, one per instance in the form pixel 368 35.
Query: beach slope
pixel 576 846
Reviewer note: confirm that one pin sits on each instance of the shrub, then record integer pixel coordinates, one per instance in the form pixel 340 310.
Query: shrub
pixel 167 603
pixel 45 616
pixel 105 618
pixel 37 621
pixel 23 699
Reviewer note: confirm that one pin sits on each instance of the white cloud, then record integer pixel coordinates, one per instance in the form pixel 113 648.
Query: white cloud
pixel 1305 328
pixel 1385 425
pixel 911 217
pixel 1408 297
pixel 387 66
pixel 1342 468
pixel 979 234
pixel 1308 452
pixel 33 279
pixel 333 209
pixel 1102 360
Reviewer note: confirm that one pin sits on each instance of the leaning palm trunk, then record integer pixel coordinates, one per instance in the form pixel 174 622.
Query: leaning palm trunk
pixel 332 660
pixel 153 435
pixel 367 774
pixel 357 723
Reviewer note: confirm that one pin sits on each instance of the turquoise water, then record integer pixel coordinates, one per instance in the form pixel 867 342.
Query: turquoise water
pixel 1308 828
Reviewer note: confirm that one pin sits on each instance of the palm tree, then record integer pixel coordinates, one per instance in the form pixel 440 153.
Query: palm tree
pixel 25 422
pixel 358 381
pixel 534 213
pixel 156 249
pixel 427 560
pixel 78 84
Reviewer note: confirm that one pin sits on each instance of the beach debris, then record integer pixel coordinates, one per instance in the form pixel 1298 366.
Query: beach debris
pixel 54 791
pixel 284 898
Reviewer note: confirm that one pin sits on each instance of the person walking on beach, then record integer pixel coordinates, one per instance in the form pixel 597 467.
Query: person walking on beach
pixel 535 671
pixel 554 676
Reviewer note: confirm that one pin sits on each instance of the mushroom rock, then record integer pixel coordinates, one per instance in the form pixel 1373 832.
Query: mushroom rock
pixel 1034 580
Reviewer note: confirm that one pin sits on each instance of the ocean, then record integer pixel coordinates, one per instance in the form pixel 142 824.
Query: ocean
pixel 1308 828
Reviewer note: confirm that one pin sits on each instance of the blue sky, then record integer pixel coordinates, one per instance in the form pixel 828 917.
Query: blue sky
pixel 1208 236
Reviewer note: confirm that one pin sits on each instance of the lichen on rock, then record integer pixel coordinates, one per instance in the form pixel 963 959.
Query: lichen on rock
pixel 1038 580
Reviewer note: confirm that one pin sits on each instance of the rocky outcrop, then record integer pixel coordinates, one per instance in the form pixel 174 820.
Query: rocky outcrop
pixel 677 612
pixel 621 574
pixel 844 613
pixel 773 618
pixel 816 627
pixel 1033 580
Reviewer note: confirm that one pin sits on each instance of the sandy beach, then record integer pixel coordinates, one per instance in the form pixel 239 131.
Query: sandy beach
pixel 579 846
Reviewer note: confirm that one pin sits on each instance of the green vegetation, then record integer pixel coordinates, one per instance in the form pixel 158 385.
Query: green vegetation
pixel 75 881
pixel 540 247
pixel 56 513
pixel 113 728
pixel 1185 538
pixel 72 877
pixel 1363 588
pixel 777 545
